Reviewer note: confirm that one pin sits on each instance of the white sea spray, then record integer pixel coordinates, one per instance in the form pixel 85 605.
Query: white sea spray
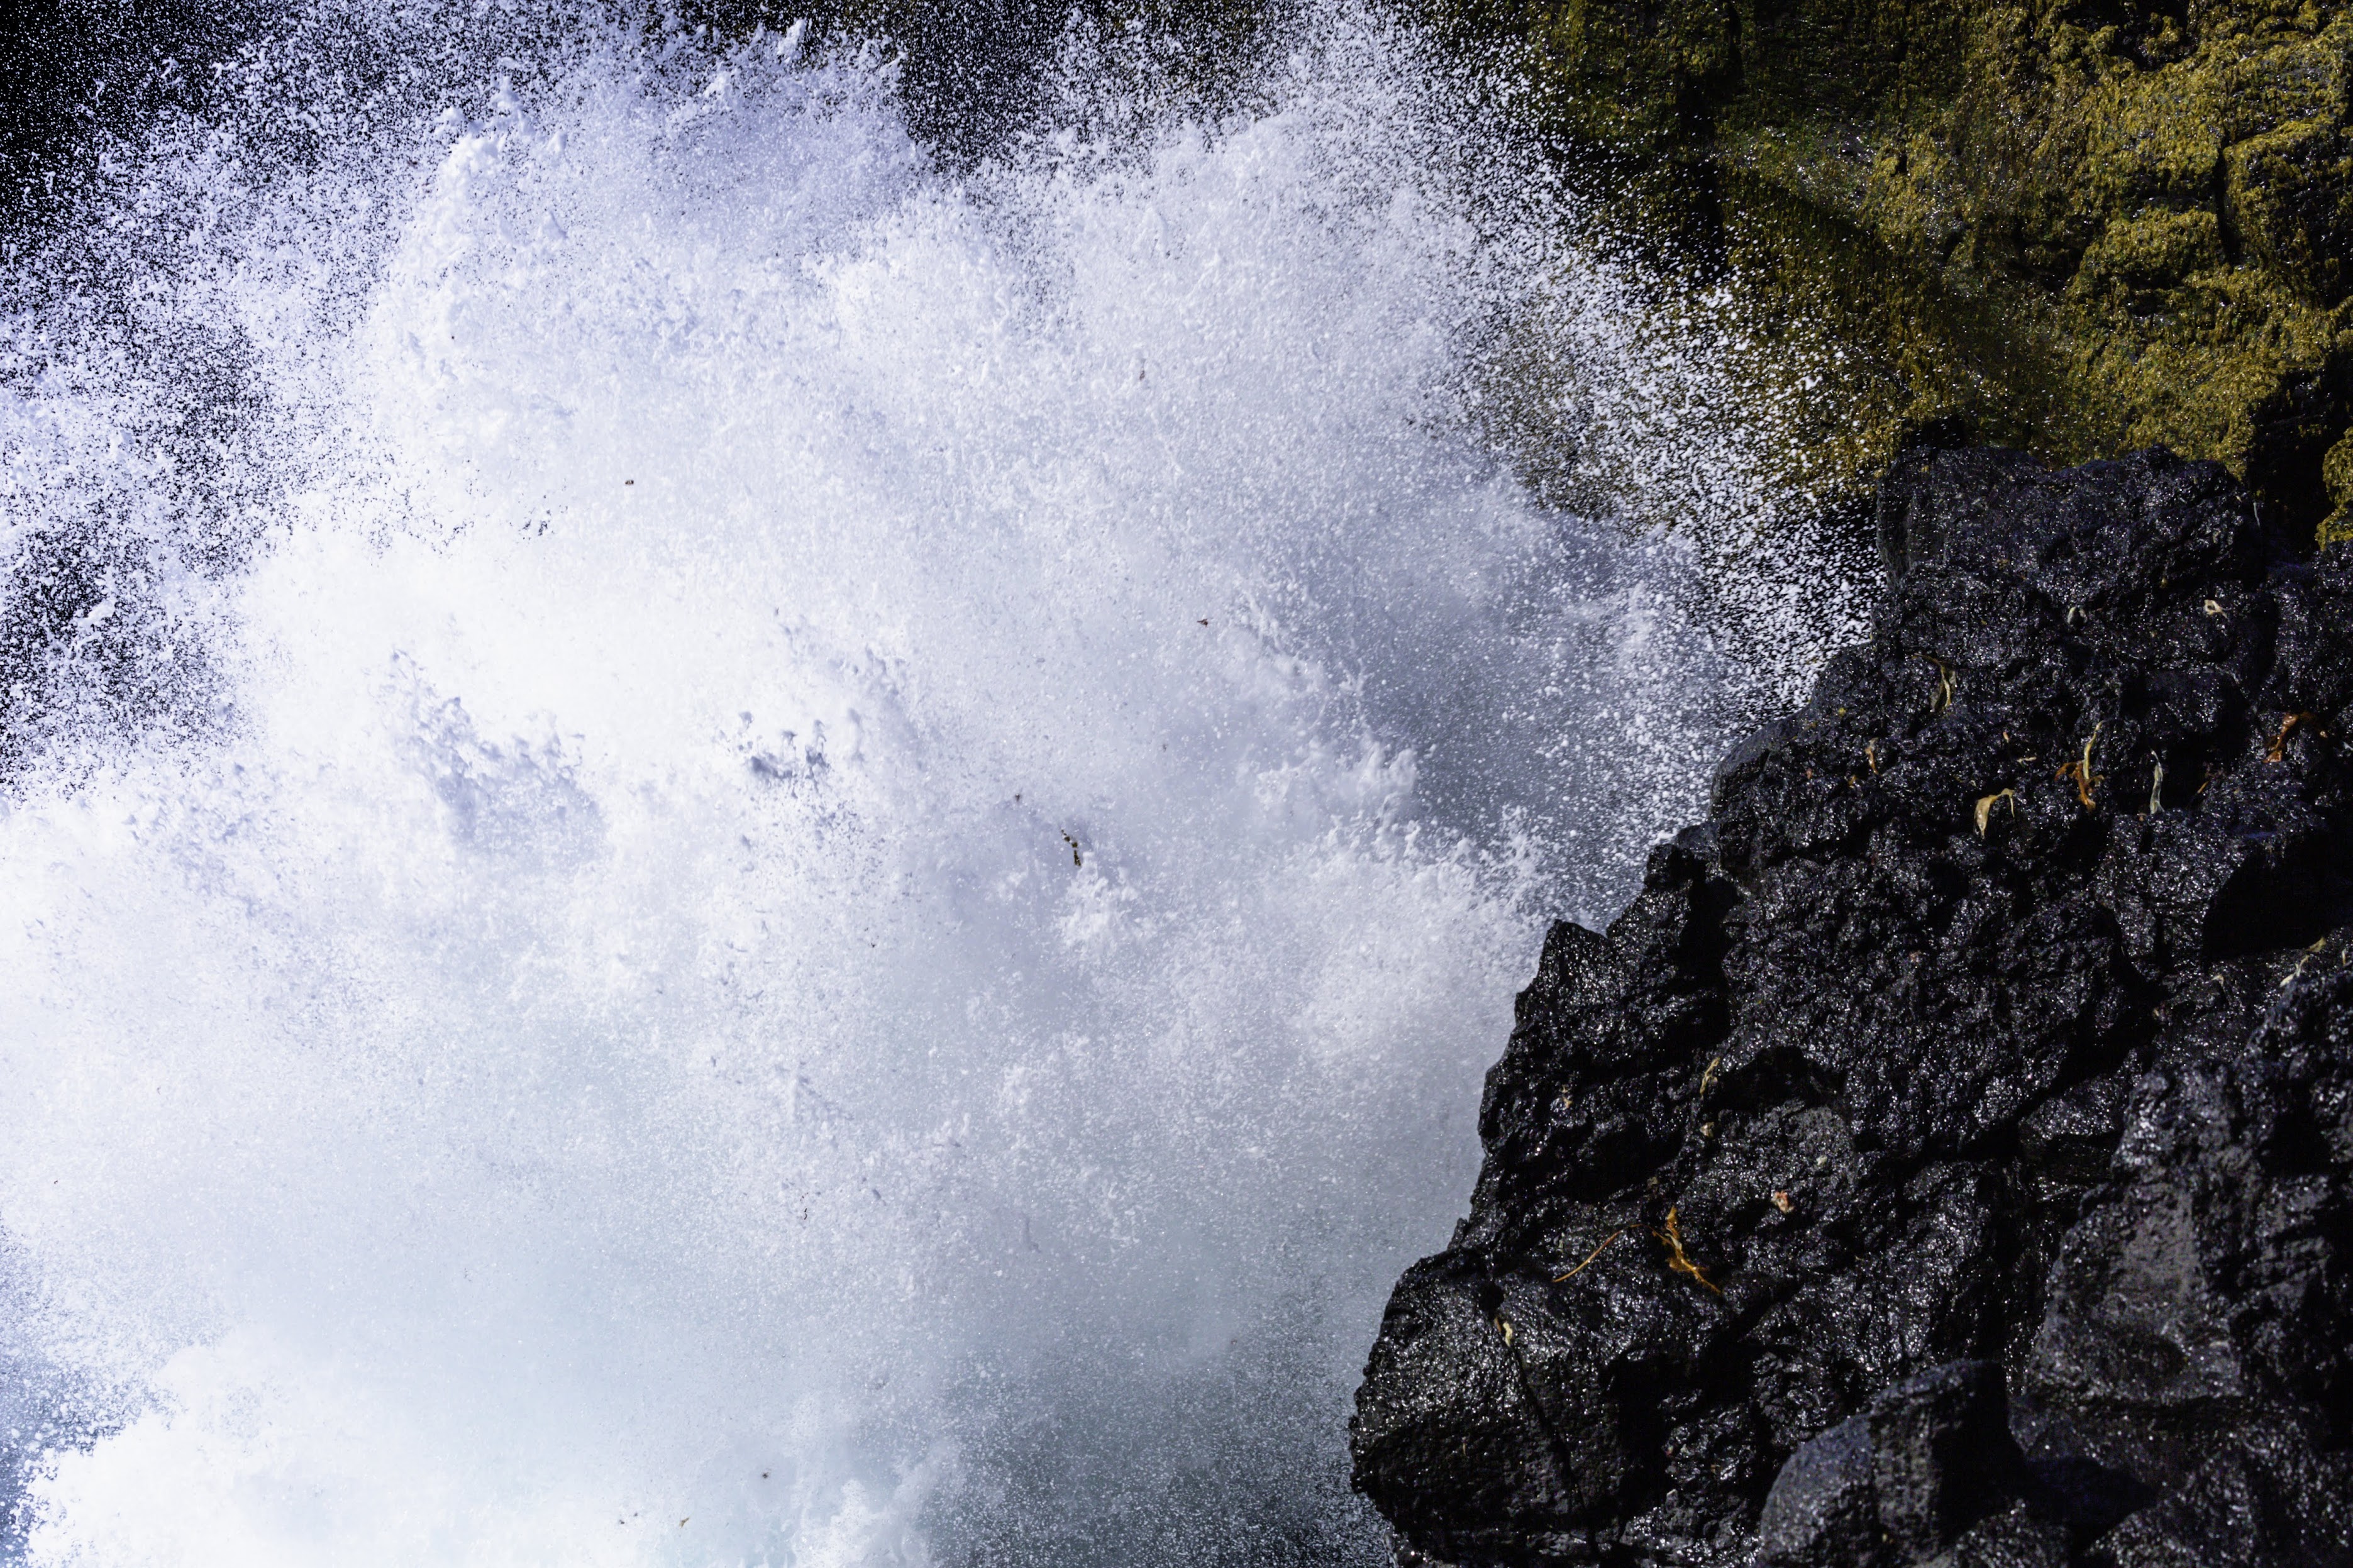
pixel 778 857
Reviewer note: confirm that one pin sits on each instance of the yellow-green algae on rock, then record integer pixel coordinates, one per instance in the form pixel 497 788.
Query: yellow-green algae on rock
pixel 2083 227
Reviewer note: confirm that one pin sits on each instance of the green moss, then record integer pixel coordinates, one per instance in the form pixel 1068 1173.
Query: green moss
pixel 2080 226
pixel 2336 470
pixel 1890 347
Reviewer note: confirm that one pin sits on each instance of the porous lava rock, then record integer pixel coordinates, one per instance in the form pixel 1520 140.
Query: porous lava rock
pixel 1947 1158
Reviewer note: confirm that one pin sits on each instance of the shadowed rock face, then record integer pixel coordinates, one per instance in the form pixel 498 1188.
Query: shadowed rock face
pixel 1948 1157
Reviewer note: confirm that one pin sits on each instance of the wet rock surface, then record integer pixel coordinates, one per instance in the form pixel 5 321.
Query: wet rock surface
pixel 1948 1157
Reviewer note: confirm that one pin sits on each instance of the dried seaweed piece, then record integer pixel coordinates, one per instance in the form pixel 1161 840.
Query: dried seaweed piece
pixel 1592 1256
pixel 2277 752
pixel 1987 803
pixel 1671 1237
pixel 2080 773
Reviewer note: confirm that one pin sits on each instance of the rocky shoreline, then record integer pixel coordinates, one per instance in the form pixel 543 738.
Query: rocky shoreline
pixel 1948 1156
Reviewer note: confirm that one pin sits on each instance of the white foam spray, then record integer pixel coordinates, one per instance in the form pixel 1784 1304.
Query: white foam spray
pixel 776 858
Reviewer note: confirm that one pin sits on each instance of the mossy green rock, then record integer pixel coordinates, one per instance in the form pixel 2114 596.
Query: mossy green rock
pixel 2083 227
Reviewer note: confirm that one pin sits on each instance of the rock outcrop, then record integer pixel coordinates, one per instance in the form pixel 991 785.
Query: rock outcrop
pixel 2078 224
pixel 1948 1156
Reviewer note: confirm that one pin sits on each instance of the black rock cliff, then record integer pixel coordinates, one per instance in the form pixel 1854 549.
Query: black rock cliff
pixel 1948 1157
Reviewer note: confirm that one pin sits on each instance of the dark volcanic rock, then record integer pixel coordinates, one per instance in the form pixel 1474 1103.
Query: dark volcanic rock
pixel 1948 1157
pixel 1931 1468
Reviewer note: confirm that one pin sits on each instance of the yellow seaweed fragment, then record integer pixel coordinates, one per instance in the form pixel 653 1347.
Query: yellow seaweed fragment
pixel 1987 803
pixel 1591 1256
pixel 1677 1258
